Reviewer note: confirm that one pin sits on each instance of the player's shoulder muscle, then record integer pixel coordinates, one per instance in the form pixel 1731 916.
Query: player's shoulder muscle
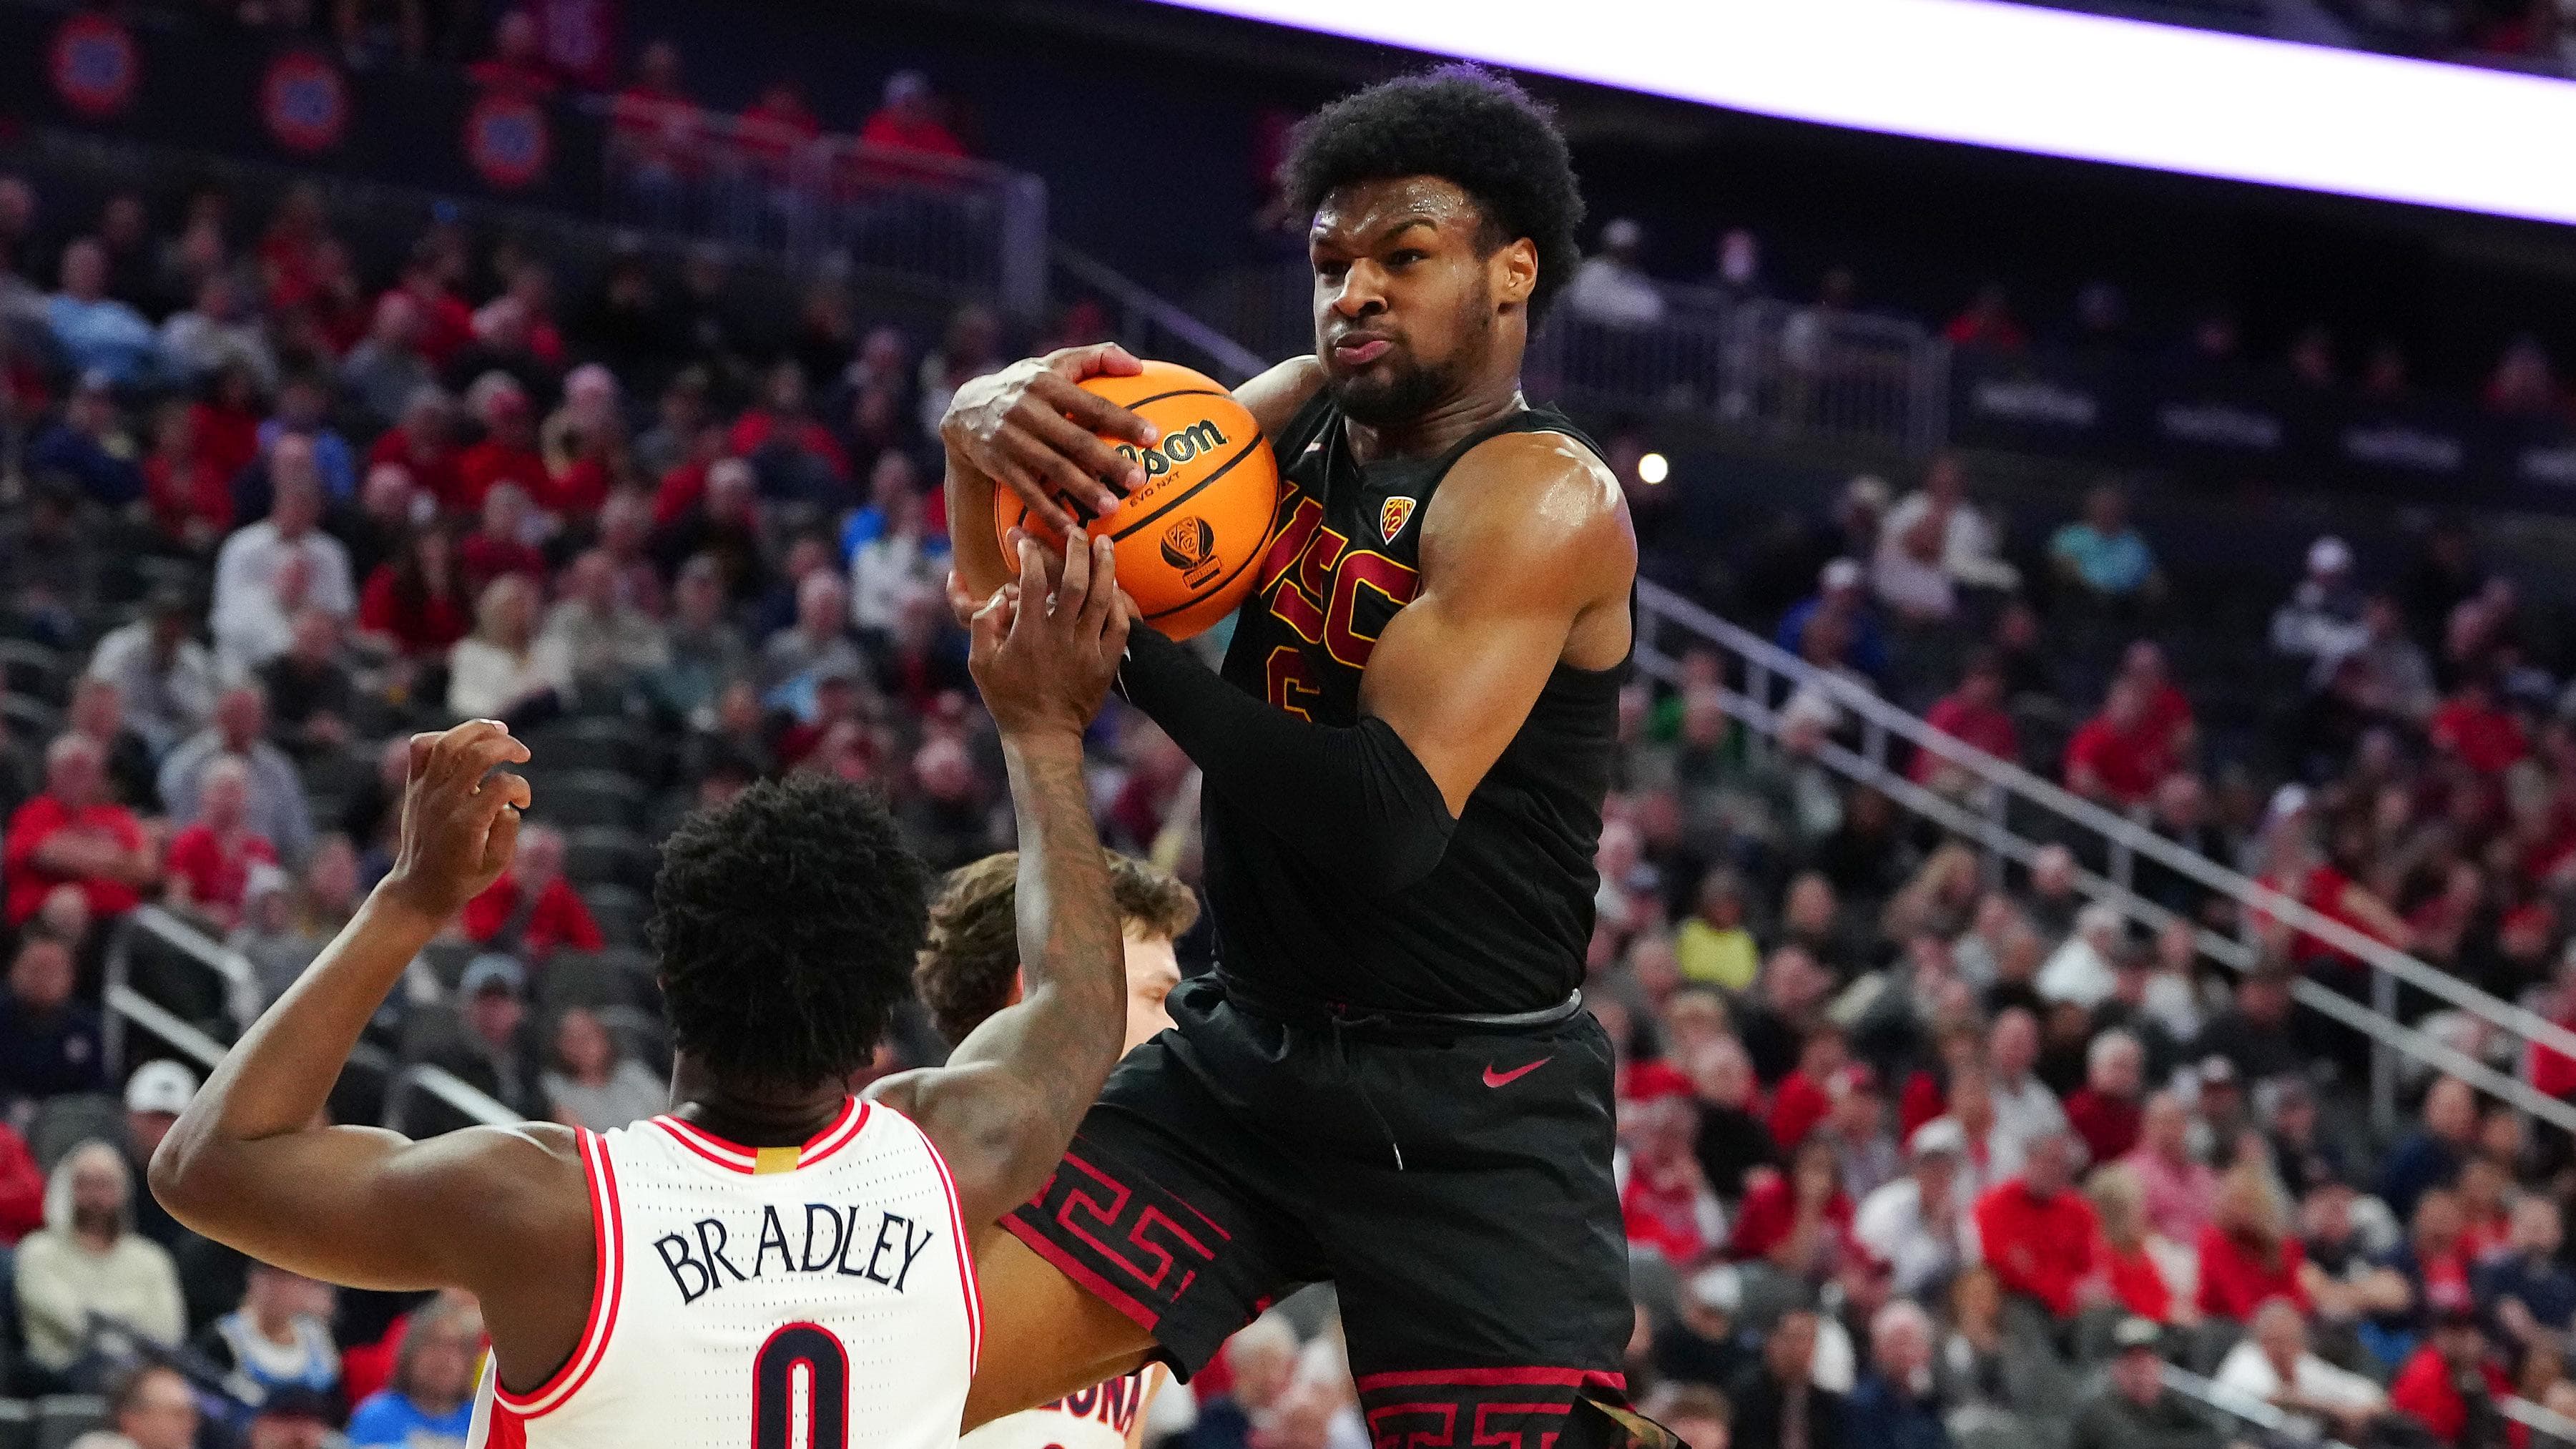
pixel 1535 507
pixel 1274 397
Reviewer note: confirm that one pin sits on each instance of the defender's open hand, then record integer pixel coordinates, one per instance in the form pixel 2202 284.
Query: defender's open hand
pixel 1045 654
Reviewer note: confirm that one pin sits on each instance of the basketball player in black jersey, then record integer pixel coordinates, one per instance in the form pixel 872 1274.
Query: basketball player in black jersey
pixel 1389 1080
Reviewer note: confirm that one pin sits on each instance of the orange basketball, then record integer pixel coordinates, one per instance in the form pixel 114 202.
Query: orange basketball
pixel 1190 540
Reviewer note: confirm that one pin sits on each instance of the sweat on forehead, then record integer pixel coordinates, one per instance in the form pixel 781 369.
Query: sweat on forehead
pixel 1365 211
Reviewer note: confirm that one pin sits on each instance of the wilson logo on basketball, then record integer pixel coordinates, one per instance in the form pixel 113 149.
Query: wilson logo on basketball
pixel 1392 515
pixel 1178 446
pixel 1190 546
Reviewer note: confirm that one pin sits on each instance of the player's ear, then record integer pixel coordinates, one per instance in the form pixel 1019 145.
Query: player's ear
pixel 1513 270
pixel 1019 987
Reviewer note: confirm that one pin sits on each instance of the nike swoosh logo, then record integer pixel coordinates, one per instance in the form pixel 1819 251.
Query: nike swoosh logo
pixel 1503 1079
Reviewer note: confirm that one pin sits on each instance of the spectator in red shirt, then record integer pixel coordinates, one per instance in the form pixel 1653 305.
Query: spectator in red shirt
pixel 2119 1205
pixel 1987 322
pixel 792 455
pixel 778 125
pixel 1973 714
pixel 1798 1221
pixel 423 444
pixel 2472 725
pixel 417 601
pixel 653 125
pixel 224 422
pixel 191 500
pixel 2248 1253
pixel 507 454
pixel 909 120
pixel 211 860
pixel 1802 1100
pixel 499 544
pixel 2117 757
pixel 2105 1111
pixel 2450 1379
pixel 446 322
pixel 1666 1203
pixel 74 834
pixel 517 65
pixel 2039 1235
pixel 532 911
pixel 2168 710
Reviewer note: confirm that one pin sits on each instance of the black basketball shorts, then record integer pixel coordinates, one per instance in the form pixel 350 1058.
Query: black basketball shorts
pixel 1454 1184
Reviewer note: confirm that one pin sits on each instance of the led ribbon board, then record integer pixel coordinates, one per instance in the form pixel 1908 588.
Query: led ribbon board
pixel 2021 78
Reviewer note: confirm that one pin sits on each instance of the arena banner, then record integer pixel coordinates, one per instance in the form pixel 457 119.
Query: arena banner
pixel 2237 427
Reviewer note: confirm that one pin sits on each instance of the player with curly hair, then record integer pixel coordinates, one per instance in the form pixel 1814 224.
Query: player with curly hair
pixel 774 1261
pixel 1389 1081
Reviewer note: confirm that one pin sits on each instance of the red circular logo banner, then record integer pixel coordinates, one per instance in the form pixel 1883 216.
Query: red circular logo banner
pixel 305 101
pixel 508 139
pixel 94 65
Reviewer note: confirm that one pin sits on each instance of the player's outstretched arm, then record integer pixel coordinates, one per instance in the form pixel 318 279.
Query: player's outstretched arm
pixel 1527 545
pixel 251 1163
pixel 1006 1104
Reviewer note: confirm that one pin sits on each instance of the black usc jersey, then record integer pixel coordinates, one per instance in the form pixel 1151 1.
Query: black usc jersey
pixel 1501 924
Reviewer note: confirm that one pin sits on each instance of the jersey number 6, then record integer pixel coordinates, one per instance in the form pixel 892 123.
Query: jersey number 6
pixel 827 1390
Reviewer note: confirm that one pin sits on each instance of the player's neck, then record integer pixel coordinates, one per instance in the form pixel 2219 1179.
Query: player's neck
pixel 762 1117
pixel 1440 426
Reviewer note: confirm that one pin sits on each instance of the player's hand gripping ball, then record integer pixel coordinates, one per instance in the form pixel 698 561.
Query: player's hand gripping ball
pixel 1190 540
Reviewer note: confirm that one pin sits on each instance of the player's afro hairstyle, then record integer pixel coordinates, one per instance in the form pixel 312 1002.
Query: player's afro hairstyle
pixel 1465 125
pixel 785 924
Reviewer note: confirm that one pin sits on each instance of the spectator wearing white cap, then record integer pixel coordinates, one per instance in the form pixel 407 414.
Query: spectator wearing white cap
pixel 1916 1223
pixel 154 1097
pixel 1704 1344
pixel 2322 619
pixel 1611 287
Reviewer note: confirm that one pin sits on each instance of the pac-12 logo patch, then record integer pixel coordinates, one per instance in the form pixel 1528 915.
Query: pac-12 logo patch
pixel 1392 515
pixel 1190 546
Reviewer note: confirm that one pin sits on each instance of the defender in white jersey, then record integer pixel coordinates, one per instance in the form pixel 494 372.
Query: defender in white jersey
pixel 969 971
pixel 773 1263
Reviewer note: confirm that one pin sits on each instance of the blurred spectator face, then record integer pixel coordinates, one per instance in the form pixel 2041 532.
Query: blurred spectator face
pixel 822 604
pixel 505 512
pixel 331 876
pixel 2013 1045
pixel 659 67
pixel 2138 1374
pixel 729 490
pixel 1900 1344
pixel 223 799
pixel 2536 1228
pixel 784 390
pixel 2107 510
pixel 540 858
pixel 387 493
pixel 494 1013
pixel 396 324
pixel 2052 871
pixel 217 300
pixel 1793 982
pixel 85 270
pixel 1859 1113
pixel 2051 1166
pixel 625 523
pixel 944 772
pixel 592 583
pixel 288 1431
pixel 2125 706
pixel 91 409
pixel 1723 1075
pixel 2460 1344
pixel 317 636
pixel 1792 1346
pixel 699 597
pixel 241 716
pixel 2451 1110
pixel 162 1412
pixel 17 206
pixel 1693 1020
pixel 65 914
pixel 1263 1356
pixel 583 1046
pixel 1657 969
pixel 1809 908
pixel 98 1191
pixel 2118 1067
pixel 439 1369
pixel 74 772
pixel 1972 1101
pixel 97 709
pixel 301 403
pixel 2180 802
pixel 40 976
pixel 298 483
pixel 1739 261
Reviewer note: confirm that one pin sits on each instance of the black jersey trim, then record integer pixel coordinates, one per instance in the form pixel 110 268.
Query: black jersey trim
pixel 1194 489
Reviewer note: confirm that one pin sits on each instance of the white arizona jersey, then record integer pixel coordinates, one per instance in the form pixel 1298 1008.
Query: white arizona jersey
pixel 1099 1417
pixel 814 1297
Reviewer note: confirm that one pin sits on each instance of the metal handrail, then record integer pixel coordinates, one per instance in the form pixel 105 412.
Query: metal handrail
pixel 1881 719
pixel 2211 1394
pixel 2539 1417
pixel 1990 833
pixel 1231 357
pixel 449 1088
